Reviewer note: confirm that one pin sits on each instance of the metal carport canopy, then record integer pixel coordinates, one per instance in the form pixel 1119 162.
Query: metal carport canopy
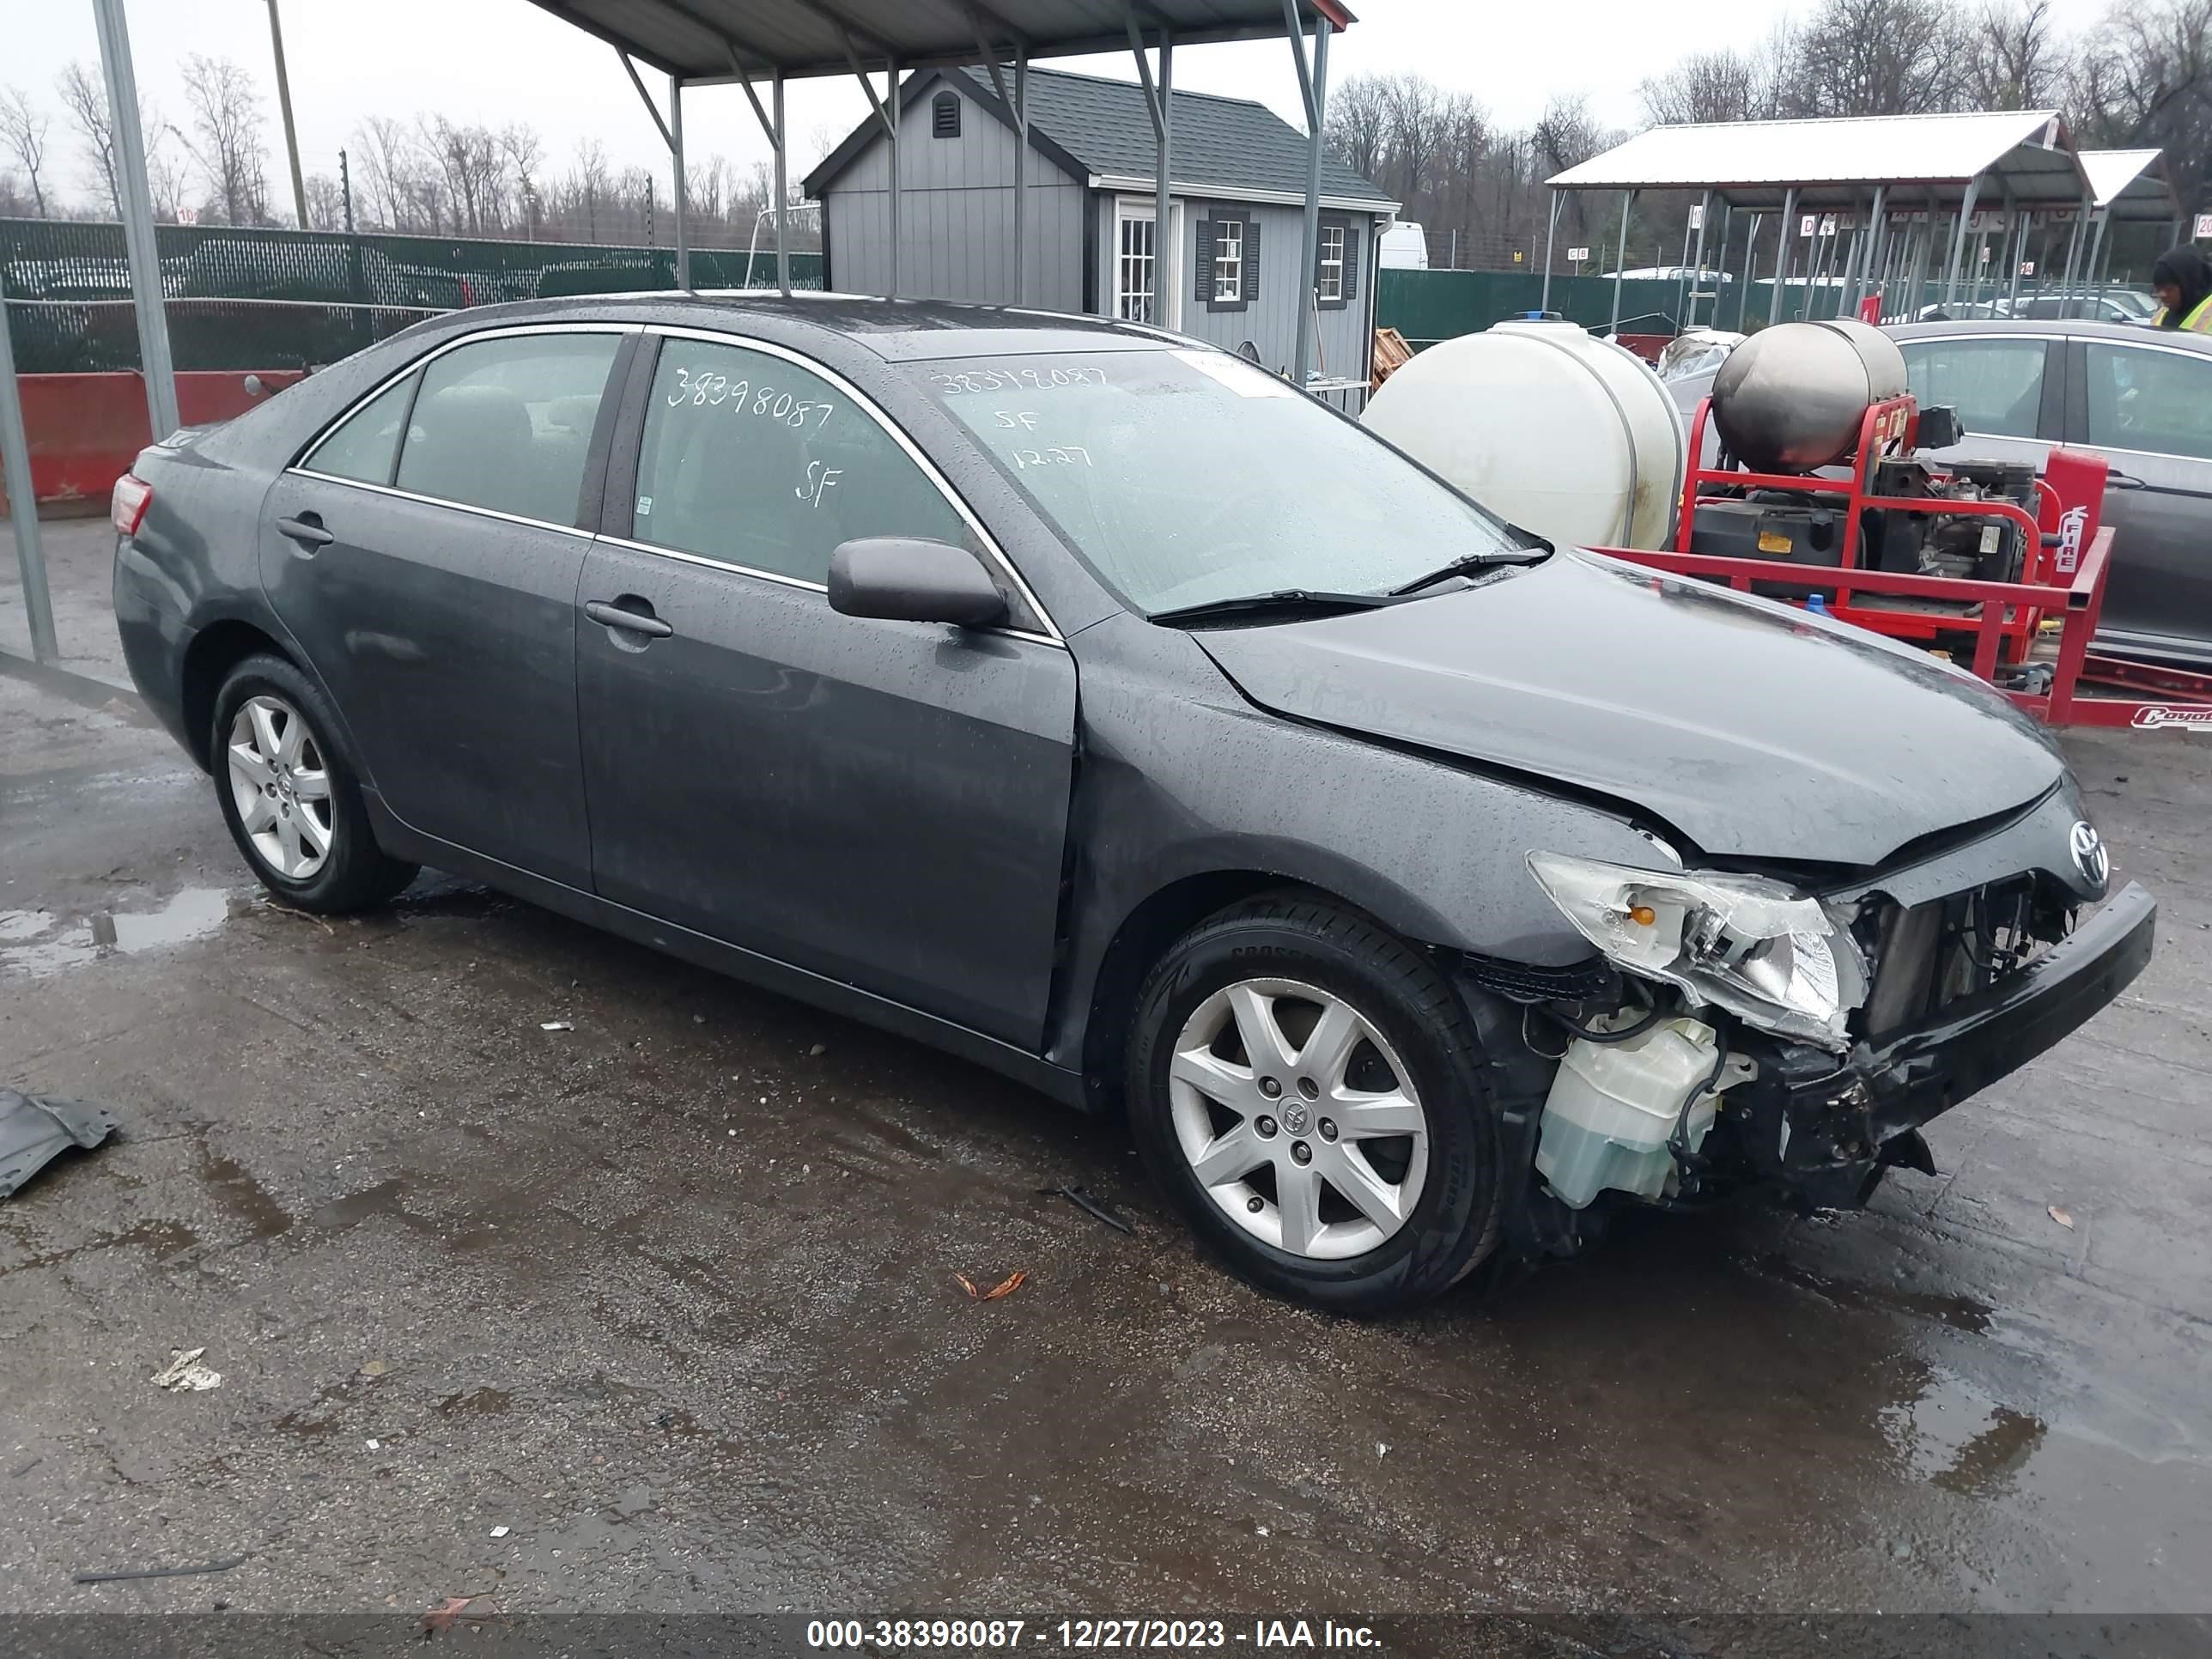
pixel 2131 183
pixel 1933 164
pixel 695 41
pixel 1754 165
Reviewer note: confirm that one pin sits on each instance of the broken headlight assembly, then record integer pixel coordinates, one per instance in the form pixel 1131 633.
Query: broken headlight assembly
pixel 1763 950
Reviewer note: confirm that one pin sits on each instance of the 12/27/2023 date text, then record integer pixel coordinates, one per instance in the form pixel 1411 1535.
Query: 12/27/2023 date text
pixel 1088 1635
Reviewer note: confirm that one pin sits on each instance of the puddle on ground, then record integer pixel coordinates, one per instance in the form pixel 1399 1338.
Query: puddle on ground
pixel 237 1190
pixel 1955 1436
pixel 37 942
pixel 477 1402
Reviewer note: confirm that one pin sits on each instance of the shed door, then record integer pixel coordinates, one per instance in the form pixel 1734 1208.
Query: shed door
pixel 1136 262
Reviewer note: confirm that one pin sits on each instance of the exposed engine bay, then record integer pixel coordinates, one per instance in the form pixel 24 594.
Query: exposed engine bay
pixel 1752 1038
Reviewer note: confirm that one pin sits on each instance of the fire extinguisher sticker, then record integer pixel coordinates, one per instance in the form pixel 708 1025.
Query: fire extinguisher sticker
pixel 2071 523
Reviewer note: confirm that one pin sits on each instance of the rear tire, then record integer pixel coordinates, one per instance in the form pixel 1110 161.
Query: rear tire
pixel 290 794
pixel 1353 1165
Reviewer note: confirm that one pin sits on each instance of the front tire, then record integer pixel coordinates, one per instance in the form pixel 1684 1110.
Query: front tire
pixel 291 797
pixel 1311 1093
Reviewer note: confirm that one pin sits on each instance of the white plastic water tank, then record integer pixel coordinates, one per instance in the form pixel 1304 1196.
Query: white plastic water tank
pixel 1548 426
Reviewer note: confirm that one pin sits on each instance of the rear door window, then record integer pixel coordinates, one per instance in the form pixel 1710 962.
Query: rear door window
pixel 363 446
pixel 2157 402
pixel 753 460
pixel 506 423
pixel 1996 384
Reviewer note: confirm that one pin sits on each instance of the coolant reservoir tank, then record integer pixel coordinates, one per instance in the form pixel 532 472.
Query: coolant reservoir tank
pixel 1613 1105
pixel 1548 426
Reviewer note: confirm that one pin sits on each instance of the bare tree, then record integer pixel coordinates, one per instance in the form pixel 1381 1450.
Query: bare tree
pixel 325 203
pixel 84 100
pixel 1357 124
pixel 2013 58
pixel 1876 58
pixel 2145 80
pixel 23 130
pixel 226 138
pixel 1721 85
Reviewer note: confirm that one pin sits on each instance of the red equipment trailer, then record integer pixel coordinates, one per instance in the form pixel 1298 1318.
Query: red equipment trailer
pixel 2030 638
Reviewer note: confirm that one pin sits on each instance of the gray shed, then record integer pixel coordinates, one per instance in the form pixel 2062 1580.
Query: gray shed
pixel 1237 193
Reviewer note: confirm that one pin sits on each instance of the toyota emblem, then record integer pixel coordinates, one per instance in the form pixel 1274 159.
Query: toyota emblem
pixel 2088 849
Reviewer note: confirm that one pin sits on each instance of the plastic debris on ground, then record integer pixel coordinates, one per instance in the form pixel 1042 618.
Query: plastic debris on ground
pixel 35 1128
pixel 185 1374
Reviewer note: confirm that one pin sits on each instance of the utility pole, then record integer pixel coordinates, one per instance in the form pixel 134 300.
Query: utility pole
pixel 284 103
pixel 345 192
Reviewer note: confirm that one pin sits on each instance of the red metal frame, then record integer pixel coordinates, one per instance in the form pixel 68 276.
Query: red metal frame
pixel 2062 584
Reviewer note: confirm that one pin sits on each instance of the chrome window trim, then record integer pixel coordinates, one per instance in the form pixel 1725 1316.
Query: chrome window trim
pixel 512 330
pixel 992 551
pixel 440 501
pixel 782 580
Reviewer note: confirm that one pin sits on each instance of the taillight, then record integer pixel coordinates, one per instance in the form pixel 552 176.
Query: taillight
pixel 127 509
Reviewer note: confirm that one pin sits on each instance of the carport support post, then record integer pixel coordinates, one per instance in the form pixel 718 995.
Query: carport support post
pixel 891 121
pixel 2096 249
pixel 1156 98
pixel 1619 257
pixel 137 208
pixel 1551 236
pixel 676 157
pixel 2022 222
pixel 1022 180
pixel 1871 274
pixel 1959 241
pixel 1314 83
pixel 1782 252
pixel 23 501
pixel 1750 271
pixel 782 201
pixel 1698 264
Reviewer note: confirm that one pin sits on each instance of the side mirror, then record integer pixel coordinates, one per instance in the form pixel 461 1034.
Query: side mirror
pixel 906 579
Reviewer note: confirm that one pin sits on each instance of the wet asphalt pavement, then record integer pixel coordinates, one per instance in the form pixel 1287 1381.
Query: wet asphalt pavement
pixel 668 1295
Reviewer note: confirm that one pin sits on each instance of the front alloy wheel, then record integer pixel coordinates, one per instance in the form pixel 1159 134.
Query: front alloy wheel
pixel 281 785
pixel 1311 1093
pixel 1297 1118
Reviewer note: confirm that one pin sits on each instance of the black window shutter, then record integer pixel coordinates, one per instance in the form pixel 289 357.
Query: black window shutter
pixel 1203 291
pixel 1251 265
pixel 1352 239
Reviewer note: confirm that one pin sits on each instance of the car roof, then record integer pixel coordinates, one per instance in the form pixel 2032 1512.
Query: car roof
pixel 899 330
pixel 2070 328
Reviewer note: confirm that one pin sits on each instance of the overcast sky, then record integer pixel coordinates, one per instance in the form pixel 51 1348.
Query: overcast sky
pixel 497 61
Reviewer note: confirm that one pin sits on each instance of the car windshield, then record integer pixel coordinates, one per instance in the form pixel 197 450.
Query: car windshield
pixel 1184 478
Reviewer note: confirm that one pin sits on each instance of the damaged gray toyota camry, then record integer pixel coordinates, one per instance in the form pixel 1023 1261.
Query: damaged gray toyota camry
pixel 1087 702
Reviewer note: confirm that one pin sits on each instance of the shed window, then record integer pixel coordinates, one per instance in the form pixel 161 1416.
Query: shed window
pixel 1228 262
pixel 945 116
pixel 1331 282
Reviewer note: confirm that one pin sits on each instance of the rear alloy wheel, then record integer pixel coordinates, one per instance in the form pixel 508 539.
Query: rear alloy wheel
pixel 280 785
pixel 289 794
pixel 1309 1091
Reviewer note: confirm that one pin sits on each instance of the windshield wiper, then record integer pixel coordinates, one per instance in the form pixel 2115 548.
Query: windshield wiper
pixel 1467 565
pixel 1292 601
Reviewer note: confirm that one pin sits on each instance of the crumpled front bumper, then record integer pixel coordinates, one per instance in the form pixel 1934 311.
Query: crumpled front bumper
pixel 1826 1130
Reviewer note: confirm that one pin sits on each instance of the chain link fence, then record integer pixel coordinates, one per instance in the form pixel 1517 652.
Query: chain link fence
pixel 242 298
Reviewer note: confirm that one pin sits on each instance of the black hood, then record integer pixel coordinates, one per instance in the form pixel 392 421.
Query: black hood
pixel 1758 732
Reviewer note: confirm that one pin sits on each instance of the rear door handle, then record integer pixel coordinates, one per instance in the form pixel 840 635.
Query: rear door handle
pixel 2124 481
pixel 630 622
pixel 306 530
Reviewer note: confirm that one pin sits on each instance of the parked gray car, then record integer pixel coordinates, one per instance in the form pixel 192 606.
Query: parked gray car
pixel 1092 704
pixel 2141 397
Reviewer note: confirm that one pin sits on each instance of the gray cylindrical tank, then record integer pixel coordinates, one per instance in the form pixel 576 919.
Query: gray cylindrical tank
pixel 1790 397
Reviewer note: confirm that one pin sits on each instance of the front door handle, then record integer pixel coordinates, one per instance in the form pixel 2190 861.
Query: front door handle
pixel 306 530
pixel 639 621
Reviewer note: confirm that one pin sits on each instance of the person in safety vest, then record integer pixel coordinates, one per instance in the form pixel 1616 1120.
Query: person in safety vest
pixel 2182 279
